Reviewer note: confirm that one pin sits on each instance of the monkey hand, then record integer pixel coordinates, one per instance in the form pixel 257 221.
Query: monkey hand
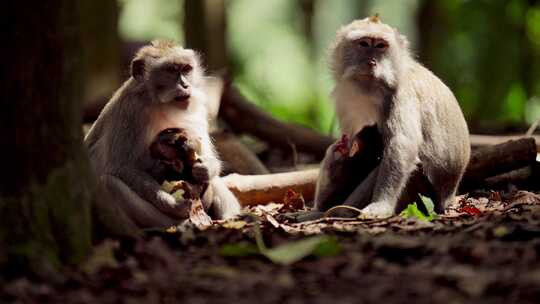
pixel 167 204
pixel 377 210
pixel 200 173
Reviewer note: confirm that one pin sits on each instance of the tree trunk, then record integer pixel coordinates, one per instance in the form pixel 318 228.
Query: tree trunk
pixel 101 58
pixel 46 187
pixel 205 29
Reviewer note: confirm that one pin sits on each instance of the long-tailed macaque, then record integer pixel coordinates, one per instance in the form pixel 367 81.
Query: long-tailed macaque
pixel 164 91
pixel 377 81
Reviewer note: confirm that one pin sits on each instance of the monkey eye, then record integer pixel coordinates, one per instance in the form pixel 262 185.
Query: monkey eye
pixel 381 45
pixel 173 68
pixel 187 68
pixel 363 43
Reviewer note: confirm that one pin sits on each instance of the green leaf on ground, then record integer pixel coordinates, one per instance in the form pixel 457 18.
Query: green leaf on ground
pixel 238 250
pixel 292 252
pixel 413 211
pixel 286 254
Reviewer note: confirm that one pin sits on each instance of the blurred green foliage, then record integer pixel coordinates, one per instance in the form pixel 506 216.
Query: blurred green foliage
pixel 488 52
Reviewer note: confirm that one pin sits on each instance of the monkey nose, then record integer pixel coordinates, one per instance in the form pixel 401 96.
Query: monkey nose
pixel 371 62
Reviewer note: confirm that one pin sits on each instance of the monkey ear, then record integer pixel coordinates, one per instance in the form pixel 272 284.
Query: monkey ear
pixel 137 69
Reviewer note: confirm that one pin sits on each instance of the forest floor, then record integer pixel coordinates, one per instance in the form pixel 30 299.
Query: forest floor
pixel 485 249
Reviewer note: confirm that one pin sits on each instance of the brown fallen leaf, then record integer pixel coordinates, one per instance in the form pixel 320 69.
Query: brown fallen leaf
pixel 198 216
pixel 238 224
pixel 292 201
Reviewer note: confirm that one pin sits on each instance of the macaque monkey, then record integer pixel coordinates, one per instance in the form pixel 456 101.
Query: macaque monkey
pixel 421 124
pixel 164 91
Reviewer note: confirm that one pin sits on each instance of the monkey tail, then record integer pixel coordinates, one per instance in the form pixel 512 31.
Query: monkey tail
pixel 329 211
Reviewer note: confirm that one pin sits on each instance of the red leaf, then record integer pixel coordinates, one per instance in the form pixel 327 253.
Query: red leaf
pixel 470 210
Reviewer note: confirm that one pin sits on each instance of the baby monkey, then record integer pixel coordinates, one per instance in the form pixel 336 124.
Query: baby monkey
pixel 163 92
pixel 379 83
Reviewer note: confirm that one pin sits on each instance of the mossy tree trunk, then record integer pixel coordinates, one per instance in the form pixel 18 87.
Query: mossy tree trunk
pixel 46 186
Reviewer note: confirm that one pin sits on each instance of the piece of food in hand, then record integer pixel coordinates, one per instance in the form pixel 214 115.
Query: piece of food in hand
pixel 182 190
pixel 187 193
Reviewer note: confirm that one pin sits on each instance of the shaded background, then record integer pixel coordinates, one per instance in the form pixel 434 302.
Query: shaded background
pixel 488 52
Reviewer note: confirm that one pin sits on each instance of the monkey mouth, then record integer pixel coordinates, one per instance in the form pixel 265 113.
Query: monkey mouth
pixel 365 76
pixel 181 98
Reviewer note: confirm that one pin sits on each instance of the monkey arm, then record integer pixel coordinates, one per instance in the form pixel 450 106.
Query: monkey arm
pixel 148 189
pixel 403 136
pixel 221 200
pixel 209 159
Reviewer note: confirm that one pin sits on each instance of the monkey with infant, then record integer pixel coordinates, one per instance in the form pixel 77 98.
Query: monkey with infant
pixel 165 91
pixel 379 83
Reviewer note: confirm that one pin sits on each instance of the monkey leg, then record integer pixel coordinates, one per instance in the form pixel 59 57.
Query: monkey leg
pixel 137 209
pixel 220 200
pixel 445 184
pixel 418 184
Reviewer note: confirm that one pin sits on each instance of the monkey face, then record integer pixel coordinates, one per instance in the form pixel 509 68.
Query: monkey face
pixel 367 52
pixel 364 55
pixel 171 82
pixel 169 72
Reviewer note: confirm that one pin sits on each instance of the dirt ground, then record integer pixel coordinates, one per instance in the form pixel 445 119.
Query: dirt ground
pixel 485 249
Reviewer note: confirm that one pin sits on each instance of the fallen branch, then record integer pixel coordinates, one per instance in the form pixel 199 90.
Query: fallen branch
pixel 493 160
pixel 263 189
pixel 514 177
pixel 244 116
pixel 236 156
pixel 490 140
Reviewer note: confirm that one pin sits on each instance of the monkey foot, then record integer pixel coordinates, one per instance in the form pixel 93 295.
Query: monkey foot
pixel 377 210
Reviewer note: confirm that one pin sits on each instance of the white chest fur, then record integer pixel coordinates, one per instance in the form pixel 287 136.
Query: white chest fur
pixel 355 108
pixel 167 116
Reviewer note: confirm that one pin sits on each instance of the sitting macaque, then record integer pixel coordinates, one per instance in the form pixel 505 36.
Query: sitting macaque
pixel 165 91
pixel 378 82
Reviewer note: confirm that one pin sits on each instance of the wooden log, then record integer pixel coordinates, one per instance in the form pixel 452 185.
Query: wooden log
pixel 515 177
pixel 236 157
pixel 244 116
pixel 493 160
pixel 485 162
pixel 267 188
pixel 478 140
